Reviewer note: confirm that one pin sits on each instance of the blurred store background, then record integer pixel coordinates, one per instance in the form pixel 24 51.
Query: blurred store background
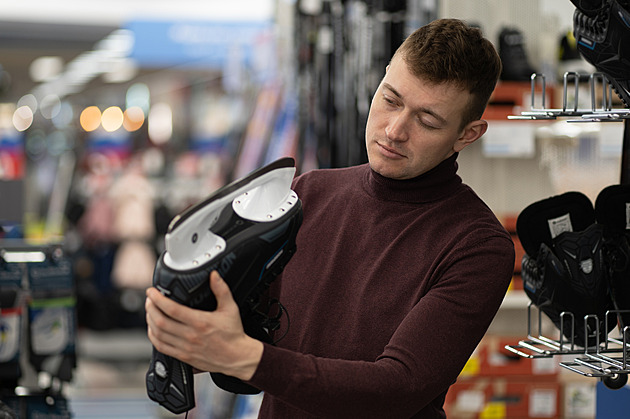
pixel 117 115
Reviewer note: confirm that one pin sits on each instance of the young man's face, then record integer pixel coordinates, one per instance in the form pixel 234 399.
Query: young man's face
pixel 414 125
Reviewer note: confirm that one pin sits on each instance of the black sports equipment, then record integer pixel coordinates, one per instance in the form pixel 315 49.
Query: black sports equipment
pixel 246 231
pixel 516 66
pixel 563 266
pixel 602 31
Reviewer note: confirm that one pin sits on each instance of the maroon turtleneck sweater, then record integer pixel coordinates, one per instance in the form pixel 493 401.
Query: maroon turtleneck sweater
pixel 393 285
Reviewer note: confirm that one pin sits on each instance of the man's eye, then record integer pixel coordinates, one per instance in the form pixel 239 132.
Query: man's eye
pixel 389 100
pixel 425 125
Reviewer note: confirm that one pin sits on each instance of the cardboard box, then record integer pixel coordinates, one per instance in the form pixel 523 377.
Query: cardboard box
pixel 499 398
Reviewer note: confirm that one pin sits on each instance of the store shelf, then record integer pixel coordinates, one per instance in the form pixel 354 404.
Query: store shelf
pixel 117 345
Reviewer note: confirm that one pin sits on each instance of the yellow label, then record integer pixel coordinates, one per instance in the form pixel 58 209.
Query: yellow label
pixel 493 410
pixel 472 367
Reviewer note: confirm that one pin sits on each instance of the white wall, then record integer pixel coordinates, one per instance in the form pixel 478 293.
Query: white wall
pixel 541 21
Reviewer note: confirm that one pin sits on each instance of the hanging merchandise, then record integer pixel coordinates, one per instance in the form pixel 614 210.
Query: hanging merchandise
pixel 132 199
pixel 516 65
pixel 325 107
pixel 306 35
pixel 357 81
pixel 343 48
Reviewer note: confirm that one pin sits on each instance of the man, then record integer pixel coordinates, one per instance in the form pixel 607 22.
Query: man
pixel 400 267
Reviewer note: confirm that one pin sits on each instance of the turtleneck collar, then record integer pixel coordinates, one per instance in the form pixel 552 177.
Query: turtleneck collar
pixel 438 182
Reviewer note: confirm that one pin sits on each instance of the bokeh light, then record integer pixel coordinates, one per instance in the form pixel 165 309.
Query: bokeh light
pixel 58 142
pixel 138 94
pixel 112 118
pixel 64 116
pixel 35 144
pixel 133 118
pixel 160 123
pixel 28 100
pixel 50 106
pixel 22 118
pixel 90 118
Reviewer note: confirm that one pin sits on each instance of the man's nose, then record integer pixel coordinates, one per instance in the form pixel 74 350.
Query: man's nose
pixel 396 129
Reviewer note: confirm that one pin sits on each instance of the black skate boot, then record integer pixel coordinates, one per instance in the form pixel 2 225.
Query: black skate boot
pixel 602 31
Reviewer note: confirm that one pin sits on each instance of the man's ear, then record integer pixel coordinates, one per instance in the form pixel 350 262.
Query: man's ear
pixel 470 134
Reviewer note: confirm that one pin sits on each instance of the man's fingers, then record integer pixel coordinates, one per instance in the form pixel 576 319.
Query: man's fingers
pixel 168 307
pixel 160 326
pixel 162 302
pixel 221 291
pixel 167 344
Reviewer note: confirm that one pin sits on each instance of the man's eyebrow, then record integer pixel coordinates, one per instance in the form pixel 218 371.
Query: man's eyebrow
pixel 422 109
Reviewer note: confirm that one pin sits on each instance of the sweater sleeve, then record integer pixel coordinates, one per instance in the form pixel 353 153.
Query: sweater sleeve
pixel 423 357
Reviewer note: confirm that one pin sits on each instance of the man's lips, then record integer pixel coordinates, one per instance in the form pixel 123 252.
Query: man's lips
pixel 389 152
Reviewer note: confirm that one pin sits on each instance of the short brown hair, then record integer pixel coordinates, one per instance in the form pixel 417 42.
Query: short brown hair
pixel 448 50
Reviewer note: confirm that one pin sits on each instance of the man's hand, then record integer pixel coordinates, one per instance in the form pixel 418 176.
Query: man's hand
pixel 208 341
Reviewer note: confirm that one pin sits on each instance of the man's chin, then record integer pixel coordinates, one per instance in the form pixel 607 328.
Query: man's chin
pixel 387 170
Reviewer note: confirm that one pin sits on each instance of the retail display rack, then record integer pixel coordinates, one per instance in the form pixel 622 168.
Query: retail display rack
pixel 38 327
pixel 605 360
pixel 601 109
pixel 608 360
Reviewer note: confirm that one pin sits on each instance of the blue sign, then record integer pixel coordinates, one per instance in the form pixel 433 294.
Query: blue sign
pixel 202 44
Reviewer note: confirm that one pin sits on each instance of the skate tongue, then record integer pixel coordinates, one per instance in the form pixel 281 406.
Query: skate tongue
pixel 262 196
